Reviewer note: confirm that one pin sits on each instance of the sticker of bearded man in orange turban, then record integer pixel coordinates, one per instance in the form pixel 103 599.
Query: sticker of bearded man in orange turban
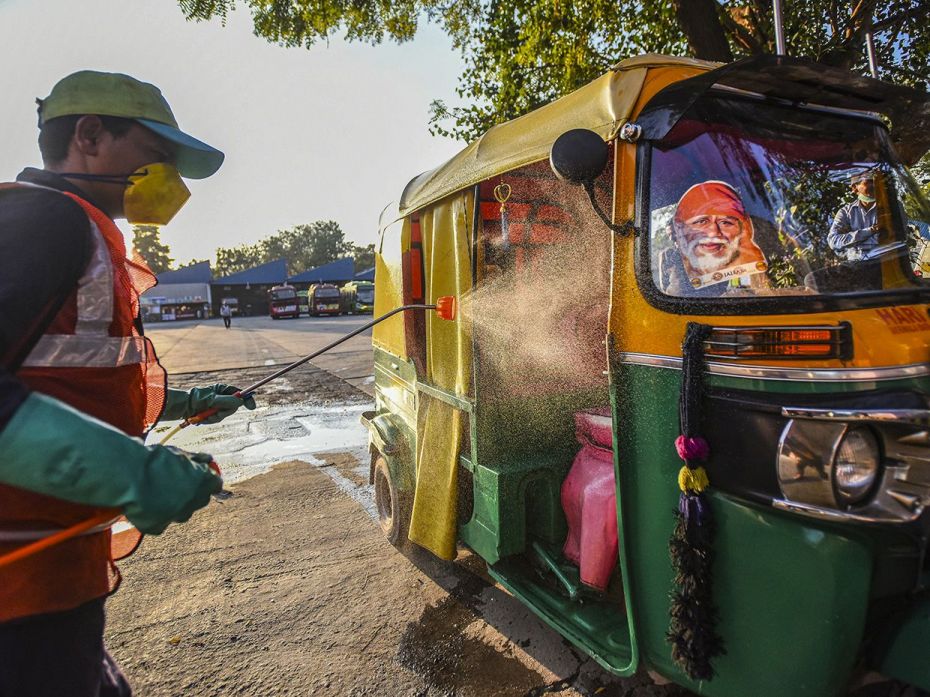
pixel 714 239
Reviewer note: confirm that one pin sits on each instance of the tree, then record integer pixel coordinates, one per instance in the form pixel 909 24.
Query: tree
pixel 230 260
pixel 307 246
pixel 304 246
pixel 364 257
pixel 147 243
pixel 520 54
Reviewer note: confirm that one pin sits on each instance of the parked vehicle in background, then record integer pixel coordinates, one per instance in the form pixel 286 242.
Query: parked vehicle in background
pixel 323 299
pixel 282 301
pixel 303 305
pixel 358 297
pixel 170 312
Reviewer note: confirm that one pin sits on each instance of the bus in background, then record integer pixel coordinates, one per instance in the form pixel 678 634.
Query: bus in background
pixel 323 299
pixel 303 305
pixel 358 296
pixel 282 301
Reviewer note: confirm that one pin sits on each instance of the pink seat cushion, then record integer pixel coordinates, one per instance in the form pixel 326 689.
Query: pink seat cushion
pixel 589 500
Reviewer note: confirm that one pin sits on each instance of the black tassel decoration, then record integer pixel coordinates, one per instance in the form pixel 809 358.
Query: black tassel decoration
pixel 693 627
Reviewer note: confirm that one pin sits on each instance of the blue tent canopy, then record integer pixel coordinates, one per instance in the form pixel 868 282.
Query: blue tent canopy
pixel 195 273
pixel 273 272
pixel 340 270
pixel 366 275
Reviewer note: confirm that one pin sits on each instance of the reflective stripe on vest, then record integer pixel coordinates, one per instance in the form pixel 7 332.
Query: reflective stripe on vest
pixel 91 346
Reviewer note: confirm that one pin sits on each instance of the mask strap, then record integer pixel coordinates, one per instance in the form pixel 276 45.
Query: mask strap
pixel 122 179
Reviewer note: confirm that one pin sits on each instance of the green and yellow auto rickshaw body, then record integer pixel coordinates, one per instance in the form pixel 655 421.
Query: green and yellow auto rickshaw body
pixel 817 368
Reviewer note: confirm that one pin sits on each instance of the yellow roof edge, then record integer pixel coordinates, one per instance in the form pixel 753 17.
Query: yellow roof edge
pixel 601 105
pixel 657 60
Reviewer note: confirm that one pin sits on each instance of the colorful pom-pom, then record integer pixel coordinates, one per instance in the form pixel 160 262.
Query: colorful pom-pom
pixel 693 480
pixel 695 448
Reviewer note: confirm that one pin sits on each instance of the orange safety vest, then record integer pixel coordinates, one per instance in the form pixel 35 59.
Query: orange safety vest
pixel 93 358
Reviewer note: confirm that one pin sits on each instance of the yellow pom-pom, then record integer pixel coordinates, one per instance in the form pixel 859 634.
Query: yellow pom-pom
pixel 693 479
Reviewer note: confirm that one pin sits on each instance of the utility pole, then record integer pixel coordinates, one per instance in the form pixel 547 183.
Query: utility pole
pixel 780 48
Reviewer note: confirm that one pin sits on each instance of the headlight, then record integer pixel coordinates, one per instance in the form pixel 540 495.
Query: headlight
pixel 856 465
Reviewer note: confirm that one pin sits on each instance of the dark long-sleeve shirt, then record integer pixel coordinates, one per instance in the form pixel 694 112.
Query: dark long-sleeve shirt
pixel 45 246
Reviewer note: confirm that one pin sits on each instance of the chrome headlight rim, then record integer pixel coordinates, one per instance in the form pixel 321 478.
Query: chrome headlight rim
pixel 844 499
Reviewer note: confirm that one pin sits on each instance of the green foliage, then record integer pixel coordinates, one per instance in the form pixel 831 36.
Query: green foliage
pixel 147 243
pixel 364 257
pixel 304 247
pixel 802 206
pixel 232 259
pixel 520 54
pixel 921 172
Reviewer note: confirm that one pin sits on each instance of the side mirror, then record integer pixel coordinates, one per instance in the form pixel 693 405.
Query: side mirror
pixel 578 156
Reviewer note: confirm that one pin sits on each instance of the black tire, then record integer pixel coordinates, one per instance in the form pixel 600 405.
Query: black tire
pixel 393 508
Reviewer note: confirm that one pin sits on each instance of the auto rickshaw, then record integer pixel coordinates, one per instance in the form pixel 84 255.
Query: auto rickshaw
pixel 683 411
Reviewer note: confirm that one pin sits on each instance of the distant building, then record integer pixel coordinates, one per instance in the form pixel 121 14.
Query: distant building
pixel 247 291
pixel 335 272
pixel 180 294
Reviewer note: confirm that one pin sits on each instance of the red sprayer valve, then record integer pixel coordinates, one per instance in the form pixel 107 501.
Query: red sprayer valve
pixel 445 307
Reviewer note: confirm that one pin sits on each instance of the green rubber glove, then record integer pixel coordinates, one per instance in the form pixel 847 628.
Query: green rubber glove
pixel 182 405
pixel 52 449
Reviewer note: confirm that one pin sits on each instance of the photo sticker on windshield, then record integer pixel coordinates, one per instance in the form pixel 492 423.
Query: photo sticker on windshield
pixel 714 235
pixel 710 239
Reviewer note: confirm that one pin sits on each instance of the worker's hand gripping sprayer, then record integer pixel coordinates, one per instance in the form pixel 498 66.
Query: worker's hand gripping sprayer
pixel 445 308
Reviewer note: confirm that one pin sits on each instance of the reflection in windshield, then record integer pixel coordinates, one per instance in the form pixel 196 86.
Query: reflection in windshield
pixel 755 199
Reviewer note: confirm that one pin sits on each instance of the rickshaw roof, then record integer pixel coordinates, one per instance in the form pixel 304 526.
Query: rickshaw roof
pixel 602 106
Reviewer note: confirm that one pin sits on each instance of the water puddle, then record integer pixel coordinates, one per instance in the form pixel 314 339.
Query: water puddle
pixel 251 443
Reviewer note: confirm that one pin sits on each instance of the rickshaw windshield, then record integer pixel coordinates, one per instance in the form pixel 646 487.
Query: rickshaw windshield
pixel 750 199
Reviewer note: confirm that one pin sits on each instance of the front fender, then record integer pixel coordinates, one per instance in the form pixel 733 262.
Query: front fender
pixel 387 436
pixel 906 655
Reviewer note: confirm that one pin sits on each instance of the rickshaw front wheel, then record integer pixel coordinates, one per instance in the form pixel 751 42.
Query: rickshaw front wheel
pixel 393 510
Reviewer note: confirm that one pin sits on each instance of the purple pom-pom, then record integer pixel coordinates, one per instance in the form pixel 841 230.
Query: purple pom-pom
pixel 692 448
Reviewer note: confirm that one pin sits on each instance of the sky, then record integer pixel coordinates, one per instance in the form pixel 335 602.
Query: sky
pixel 330 133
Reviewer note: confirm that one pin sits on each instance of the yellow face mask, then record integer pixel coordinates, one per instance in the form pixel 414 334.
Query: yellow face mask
pixel 155 194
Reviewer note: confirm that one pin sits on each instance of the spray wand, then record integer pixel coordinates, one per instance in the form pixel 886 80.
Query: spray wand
pixel 444 307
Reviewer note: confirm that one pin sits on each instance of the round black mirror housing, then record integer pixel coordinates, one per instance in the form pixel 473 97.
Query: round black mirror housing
pixel 578 156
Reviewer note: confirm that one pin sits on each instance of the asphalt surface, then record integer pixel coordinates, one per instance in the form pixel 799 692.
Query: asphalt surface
pixel 197 346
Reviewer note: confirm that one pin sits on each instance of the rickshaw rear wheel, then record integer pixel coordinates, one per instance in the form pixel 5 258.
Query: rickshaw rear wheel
pixel 393 508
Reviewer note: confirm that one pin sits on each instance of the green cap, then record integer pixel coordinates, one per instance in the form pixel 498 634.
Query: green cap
pixel 115 94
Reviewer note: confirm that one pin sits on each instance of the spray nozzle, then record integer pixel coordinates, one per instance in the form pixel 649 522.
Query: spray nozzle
pixel 445 307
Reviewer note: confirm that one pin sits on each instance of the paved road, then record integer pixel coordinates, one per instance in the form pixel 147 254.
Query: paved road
pixel 197 346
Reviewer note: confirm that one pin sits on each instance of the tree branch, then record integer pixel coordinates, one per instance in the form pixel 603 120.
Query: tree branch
pixel 700 23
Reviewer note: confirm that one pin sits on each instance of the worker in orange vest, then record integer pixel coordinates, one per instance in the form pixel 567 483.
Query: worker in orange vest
pixel 80 384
